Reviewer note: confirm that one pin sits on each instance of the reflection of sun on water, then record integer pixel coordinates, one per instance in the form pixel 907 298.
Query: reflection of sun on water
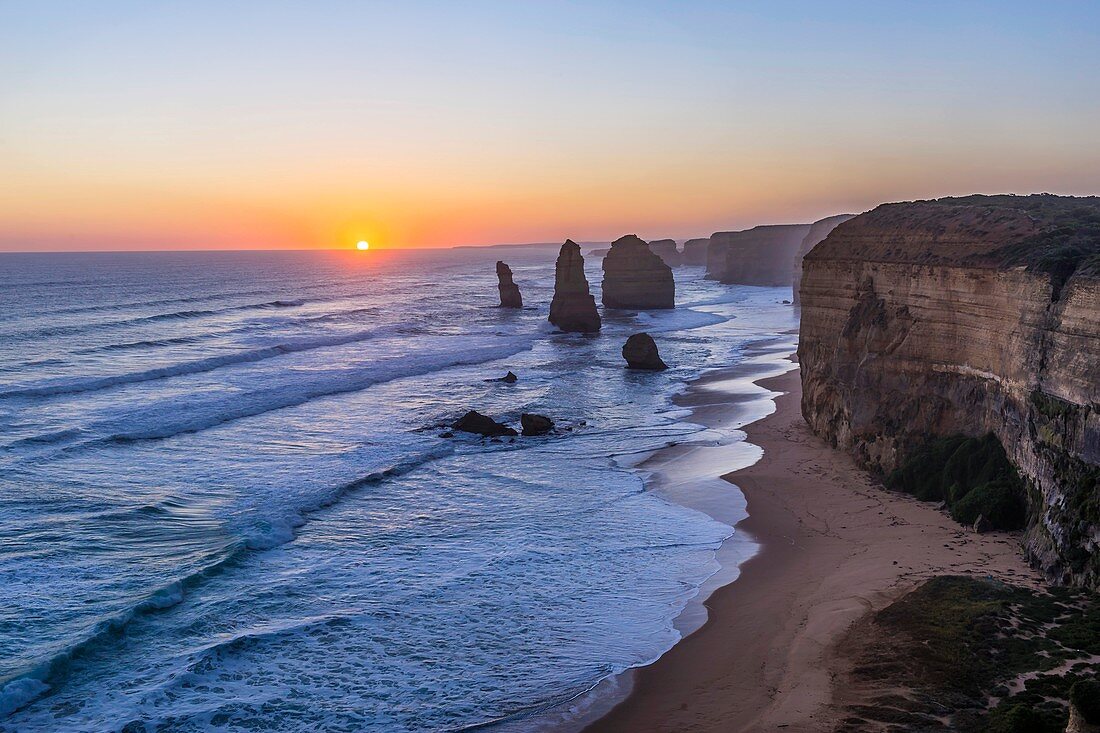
pixel 362 245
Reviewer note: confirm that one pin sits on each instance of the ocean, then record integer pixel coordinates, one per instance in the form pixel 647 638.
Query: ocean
pixel 226 502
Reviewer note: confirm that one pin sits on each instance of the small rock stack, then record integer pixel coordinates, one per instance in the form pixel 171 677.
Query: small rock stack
pixel 640 352
pixel 509 291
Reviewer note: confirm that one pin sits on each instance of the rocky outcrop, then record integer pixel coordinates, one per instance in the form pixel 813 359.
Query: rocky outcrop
pixel 598 252
pixel 509 291
pixel 533 424
pixel 818 231
pixel 968 316
pixel 667 251
pixel 635 278
pixel 695 251
pixel 474 422
pixel 573 308
pixel 763 255
pixel 640 352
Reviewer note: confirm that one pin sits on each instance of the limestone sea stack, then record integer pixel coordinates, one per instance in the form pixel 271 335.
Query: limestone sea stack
pixel 763 255
pixel 635 278
pixel 640 352
pixel 695 252
pixel 969 325
pixel 573 307
pixel 509 291
pixel 667 251
pixel 818 231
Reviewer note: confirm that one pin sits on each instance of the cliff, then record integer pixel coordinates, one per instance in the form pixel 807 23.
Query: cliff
pixel 763 255
pixel 635 278
pixel 573 308
pixel 695 251
pixel 818 231
pixel 666 249
pixel 509 291
pixel 968 317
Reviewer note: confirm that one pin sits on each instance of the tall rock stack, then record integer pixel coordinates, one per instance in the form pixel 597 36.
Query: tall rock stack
pixel 818 231
pixel 695 251
pixel 667 251
pixel 509 291
pixel 762 255
pixel 635 278
pixel 573 307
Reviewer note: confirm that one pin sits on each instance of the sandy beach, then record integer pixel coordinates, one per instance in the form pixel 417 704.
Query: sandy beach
pixel 834 545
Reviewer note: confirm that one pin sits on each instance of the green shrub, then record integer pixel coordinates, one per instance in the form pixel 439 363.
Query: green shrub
pixel 999 501
pixel 973 475
pixel 1019 719
pixel 1085 696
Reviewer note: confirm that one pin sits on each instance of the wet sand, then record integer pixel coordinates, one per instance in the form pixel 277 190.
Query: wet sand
pixel 833 545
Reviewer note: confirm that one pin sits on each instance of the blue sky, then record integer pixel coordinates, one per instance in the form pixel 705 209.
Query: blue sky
pixel 298 124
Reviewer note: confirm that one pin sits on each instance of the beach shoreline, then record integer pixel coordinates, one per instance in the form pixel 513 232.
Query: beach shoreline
pixel 832 545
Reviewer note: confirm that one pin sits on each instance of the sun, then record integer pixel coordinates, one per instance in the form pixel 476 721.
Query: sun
pixel 362 245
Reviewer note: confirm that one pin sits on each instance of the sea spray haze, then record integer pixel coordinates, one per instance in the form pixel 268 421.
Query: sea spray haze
pixel 226 504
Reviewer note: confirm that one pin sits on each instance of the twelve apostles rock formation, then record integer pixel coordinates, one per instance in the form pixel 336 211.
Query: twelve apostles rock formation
pixel 763 255
pixel 509 291
pixel 573 307
pixel 634 277
pixel 818 231
pixel 667 251
pixel 640 352
pixel 975 316
pixel 695 251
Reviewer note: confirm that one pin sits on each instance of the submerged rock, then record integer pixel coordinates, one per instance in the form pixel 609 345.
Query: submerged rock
pixel 509 291
pixel 667 251
pixel 535 424
pixel 634 277
pixel 508 378
pixel 640 352
pixel 573 307
pixel 475 422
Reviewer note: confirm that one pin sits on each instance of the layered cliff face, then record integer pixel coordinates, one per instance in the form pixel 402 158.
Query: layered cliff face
pixel 634 277
pixel 818 231
pixel 967 317
pixel 763 255
pixel 509 291
pixel 695 251
pixel 666 249
pixel 573 308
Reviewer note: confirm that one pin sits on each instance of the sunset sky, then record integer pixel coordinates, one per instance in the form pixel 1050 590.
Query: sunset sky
pixel 173 125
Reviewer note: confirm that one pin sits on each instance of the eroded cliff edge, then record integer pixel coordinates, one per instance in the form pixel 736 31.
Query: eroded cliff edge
pixel 968 316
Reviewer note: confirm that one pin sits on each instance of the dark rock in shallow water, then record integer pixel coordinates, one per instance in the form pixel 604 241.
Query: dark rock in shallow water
pixel 667 251
pixel 535 424
pixel 640 352
pixel 508 378
pixel 509 291
pixel 573 307
pixel 475 422
pixel 634 277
